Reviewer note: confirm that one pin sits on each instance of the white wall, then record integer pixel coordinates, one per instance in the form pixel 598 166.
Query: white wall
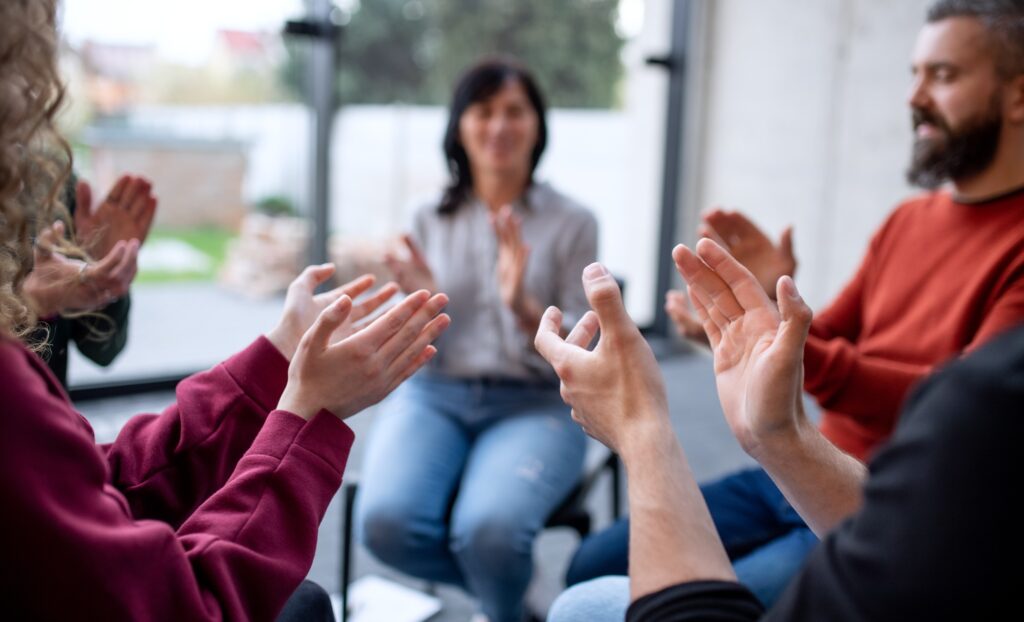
pixel 804 121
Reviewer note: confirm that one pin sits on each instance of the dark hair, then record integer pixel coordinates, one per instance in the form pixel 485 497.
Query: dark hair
pixel 480 83
pixel 1004 21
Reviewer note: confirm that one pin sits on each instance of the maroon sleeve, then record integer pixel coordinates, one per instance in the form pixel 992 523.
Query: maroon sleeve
pixel 72 546
pixel 166 465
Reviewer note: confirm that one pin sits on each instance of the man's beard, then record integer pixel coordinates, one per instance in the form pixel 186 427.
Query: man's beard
pixel 960 154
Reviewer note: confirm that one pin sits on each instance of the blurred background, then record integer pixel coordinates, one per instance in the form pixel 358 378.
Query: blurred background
pixel 269 150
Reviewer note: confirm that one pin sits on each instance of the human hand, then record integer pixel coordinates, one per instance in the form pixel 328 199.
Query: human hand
pixel 513 255
pixel 60 284
pixel 125 214
pixel 688 324
pixel 616 391
pixel 411 271
pixel 751 247
pixel 758 348
pixel 302 306
pixel 358 371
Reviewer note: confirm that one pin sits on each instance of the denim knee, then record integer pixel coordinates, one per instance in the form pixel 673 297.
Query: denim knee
pixel 388 531
pixel 604 599
pixel 491 544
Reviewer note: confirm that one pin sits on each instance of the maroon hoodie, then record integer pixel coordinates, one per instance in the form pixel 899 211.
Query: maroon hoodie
pixel 208 511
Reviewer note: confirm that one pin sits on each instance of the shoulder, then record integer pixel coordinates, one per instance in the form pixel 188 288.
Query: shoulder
pixel 27 381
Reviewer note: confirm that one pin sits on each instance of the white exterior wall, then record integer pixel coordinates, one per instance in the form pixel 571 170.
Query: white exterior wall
pixel 804 121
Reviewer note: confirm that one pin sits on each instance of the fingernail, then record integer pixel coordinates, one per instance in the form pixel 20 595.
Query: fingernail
pixel 595 271
pixel 790 288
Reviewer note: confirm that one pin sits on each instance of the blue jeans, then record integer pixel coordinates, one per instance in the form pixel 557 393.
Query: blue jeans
pixel 765 538
pixel 460 476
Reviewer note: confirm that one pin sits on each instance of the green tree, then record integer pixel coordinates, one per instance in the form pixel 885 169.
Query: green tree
pixel 413 50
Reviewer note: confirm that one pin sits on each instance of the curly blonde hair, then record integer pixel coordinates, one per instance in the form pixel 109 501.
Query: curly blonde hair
pixel 30 96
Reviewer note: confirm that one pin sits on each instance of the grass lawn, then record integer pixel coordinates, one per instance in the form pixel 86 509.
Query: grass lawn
pixel 210 242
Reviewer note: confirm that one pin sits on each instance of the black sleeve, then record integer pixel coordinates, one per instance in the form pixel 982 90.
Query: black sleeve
pixel 697 601
pixel 100 337
pixel 936 538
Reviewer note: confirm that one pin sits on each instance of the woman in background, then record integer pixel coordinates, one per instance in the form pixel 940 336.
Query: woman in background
pixel 477 451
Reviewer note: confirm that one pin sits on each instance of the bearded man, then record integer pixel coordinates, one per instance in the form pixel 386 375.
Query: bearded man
pixel 943 275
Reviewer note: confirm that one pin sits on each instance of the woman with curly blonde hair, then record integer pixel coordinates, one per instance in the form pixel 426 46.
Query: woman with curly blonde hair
pixel 210 510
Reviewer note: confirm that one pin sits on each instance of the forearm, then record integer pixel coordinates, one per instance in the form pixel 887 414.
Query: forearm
pixel 672 538
pixel 528 313
pixel 824 484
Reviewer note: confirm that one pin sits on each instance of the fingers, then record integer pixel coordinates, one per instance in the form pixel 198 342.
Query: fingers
pixel 144 218
pixel 312 277
pixel 318 337
pixel 744 286
pixel 374 302
pixel 786 243
pixel 117 192
pixel 712 328
pixel 414 250
pixel 548 341
pixel 705 230
pixel 422 359
pixel 688 324
pixel 412 328
pixel 353 289
pixel 136 188
pixel 606 299
pixel 427 336
pixel 386 326
pixel 700 277
pixel 585 330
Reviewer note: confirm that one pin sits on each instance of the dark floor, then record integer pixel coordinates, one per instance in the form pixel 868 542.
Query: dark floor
pixel 705 437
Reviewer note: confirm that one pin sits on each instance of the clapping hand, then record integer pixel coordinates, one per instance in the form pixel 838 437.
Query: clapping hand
pixel 410 269
pixel 302 306
pixel 616 391
pixel 125 214
pixel 758 347
pixel 60 284
pixel 751 247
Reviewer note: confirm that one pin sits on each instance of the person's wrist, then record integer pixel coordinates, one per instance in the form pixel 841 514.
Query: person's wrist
pixel 649 431
pixel 291 401
pixel 284 338
pixel 782 439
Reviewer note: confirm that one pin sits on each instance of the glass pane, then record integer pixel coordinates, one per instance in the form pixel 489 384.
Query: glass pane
pixel 195 96
pixel 398 62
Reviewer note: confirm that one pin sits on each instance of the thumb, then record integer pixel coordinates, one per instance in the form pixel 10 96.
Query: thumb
pixel 605 298
pixel 786 242
pixel 796 315
pixel 313 276
pixel 330 319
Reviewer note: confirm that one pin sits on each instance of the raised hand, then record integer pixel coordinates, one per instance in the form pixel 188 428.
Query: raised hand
pixel 60 284
pixel 616 391
pixel 125 214
pixel 410 269
pixel 513 254
pixel 758 348
pixel 346 376
pixel 751 247
pixel 302 306
pixel 686 322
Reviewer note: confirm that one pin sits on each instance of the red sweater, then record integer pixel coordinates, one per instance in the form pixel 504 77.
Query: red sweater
pixel 939 279
pixel 206 512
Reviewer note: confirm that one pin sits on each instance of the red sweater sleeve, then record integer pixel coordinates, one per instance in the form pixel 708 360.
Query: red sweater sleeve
pixel 72 545
pixel 166 465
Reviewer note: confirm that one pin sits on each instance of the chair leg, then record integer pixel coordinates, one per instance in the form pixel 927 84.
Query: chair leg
pixel 349 497
pixel 616 488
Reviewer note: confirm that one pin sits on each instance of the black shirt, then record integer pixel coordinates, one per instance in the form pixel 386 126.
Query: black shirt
pixel 937 538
